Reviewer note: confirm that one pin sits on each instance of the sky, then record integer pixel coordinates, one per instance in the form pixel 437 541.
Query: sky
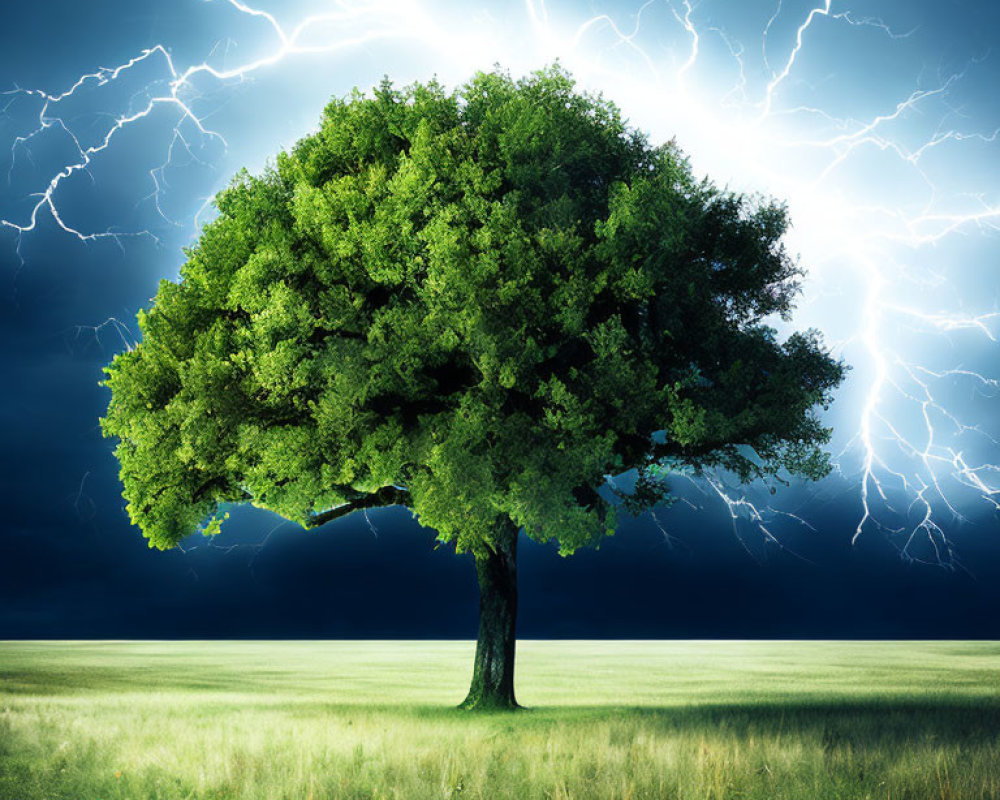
pixel 877 122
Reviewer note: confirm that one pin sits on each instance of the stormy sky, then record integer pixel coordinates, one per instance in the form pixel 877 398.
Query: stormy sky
pixel 876 121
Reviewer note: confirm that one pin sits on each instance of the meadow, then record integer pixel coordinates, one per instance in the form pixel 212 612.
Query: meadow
pixel 605 720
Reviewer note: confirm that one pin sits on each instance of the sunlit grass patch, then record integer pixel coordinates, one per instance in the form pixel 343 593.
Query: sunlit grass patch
pixel 605 720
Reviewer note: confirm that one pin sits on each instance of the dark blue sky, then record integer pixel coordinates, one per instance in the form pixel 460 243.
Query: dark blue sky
pixel 880 131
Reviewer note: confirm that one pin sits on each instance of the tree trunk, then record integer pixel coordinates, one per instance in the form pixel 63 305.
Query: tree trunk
pixel 493 674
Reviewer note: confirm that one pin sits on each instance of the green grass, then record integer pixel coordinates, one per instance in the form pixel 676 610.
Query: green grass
pixel 768 720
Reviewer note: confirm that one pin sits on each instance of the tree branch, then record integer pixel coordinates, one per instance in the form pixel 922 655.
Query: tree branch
pixel 386 496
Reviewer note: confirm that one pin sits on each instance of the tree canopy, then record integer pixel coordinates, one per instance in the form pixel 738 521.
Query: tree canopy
pixel 477 304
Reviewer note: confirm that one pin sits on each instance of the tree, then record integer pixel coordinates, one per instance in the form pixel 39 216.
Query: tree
pixel 477 305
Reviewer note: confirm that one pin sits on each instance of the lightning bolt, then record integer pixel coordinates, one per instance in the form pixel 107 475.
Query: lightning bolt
pixel 379 20
pixel 85 155
pixel 920 445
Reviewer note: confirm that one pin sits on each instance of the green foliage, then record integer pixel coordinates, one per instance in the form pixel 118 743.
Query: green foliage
pixel 480 303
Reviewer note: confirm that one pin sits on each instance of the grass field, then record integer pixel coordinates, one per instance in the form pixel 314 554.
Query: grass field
pixel 812 720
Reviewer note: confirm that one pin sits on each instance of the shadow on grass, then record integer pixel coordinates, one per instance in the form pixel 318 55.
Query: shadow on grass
pixel 836 722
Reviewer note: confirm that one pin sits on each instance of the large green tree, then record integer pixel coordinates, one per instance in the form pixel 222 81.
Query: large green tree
pixel 476 304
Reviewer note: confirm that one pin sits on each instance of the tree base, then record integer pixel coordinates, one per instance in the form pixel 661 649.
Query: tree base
pixel 480 703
